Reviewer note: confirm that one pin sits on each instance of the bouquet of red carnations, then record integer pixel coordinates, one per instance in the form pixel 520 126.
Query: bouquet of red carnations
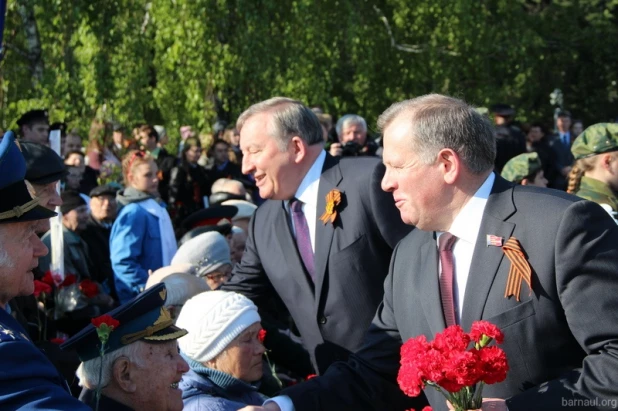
pixel 455 363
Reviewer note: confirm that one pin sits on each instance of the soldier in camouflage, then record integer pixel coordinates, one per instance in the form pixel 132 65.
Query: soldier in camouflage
pixel 595 172
pixel 525 169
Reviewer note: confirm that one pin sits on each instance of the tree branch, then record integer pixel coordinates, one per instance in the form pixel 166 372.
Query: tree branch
pixel 408 48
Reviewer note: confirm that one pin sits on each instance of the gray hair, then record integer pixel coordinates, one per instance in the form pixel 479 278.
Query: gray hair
pixel 88 371
pixel 439 122
pixel 290 118
pixel 349 119
pixel 6 261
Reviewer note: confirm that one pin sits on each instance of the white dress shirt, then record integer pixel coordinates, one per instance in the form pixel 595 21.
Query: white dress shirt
pixel 307 193
pixel 466 228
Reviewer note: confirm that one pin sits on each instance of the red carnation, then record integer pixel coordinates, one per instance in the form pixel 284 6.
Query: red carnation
pixel 69 279
pixel 452 338
pixel 461 370
pixel 105 320
pixel 481 328
pixel 425 408
pixel 89 288
pixel 57 340
pixel 409 380
pixel 310 376
pixel 48 278
pixel 492 364
pixel 41 288
pixel 262 335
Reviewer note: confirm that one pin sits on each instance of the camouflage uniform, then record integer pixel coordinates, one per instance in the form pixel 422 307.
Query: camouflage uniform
pixel 596 139
pixel 521 166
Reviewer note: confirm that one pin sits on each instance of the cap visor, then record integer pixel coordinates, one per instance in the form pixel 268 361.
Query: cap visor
pixel 167 334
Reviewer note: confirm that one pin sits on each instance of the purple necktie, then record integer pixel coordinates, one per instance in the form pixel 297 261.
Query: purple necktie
pixel 445 247
pixel 303 239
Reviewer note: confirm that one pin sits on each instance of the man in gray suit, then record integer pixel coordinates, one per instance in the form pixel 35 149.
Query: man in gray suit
pixel 326 258
pixel 560 329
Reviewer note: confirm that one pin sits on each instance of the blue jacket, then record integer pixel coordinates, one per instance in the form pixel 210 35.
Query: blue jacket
pixel 135 245
pixel 204 389
pixel 28 380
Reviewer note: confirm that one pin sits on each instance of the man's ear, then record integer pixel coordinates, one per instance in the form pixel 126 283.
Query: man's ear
pixel 299 148
pixel 122 375
pixel 525 182
pixel 450 165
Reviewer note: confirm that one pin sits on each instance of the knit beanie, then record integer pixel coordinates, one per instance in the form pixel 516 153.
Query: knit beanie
pixel 207 252
pixel 214 319
pixel 70 201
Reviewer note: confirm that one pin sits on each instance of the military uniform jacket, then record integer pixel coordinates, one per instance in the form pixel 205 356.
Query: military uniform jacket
pixel 597 191
pixel 28 380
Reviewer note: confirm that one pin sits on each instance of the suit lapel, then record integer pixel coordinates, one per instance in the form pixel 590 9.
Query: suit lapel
pixel 487 259
pixel 329 179
pixel 289 249
pixel 429 286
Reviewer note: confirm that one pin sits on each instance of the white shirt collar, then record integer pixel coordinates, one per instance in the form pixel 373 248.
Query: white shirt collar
pixel 308 189
pixel 467 223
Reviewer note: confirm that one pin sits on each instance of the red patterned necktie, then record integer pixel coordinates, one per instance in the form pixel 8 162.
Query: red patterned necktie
pixel 445 248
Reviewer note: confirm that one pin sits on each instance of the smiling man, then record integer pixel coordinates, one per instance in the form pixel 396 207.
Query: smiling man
pixel 141 366
pixel 27 379
pixel 328 271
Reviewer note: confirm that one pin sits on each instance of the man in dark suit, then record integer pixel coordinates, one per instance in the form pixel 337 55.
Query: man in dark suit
pixel 326 259
pixel 560 143
pixel 560 330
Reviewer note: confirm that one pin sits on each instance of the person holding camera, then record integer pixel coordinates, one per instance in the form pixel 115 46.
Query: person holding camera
pixel 352 133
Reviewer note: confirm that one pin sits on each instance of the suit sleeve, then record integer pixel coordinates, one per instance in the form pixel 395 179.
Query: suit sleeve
pixel 586 258
pixel 367 381
pixel 29 382
pixel 249 277
pixel 385 214
pixel 128 234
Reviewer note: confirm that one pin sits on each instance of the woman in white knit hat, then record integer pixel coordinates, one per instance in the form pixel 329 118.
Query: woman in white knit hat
pixel 223 350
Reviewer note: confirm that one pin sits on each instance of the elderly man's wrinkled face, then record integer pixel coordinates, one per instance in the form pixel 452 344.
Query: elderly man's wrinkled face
pixel 20 249
pixel 242 359
pixel 353 132
pixel 216 279
pixel 156 378
pixel 37 133
pixel 48 195
pixel 274 170
pixel 104 207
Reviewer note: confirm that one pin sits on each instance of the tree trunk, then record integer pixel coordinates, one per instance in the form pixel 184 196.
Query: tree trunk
pixel 33 43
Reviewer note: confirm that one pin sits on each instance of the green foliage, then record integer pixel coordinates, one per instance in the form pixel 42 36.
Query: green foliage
pixel 176 62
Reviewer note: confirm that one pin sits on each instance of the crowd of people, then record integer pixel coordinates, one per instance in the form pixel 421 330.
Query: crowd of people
pixel 289 256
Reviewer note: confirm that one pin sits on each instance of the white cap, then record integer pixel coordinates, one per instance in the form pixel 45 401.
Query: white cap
pixel 214 319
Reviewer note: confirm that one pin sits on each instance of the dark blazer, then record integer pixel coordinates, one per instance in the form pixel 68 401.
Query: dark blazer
pixel 562 158
pixel 351 260
pixel 561 340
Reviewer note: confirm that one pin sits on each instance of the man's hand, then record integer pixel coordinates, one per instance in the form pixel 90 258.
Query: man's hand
pixel 271 406
pixel 489 404
pixel 336 149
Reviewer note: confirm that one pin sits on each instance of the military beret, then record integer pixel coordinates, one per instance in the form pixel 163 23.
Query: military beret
pixel 502 110
pixel 16 200
pixel 521 166
pixel 43 165
pixel 596 139
pixel 33 116
pixel 142 318
pixel 105 189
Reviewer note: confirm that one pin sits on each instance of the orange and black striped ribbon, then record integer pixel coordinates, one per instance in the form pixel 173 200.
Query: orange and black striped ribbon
pixel 520 268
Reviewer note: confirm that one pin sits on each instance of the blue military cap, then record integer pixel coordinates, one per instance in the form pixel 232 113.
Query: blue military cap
pixel 17 204
pixel 142 318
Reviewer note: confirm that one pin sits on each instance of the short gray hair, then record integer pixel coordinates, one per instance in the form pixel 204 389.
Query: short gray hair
pixel 439 122
pixel 88 371
pixel 349 119
pixel 6 261
pixel 290 118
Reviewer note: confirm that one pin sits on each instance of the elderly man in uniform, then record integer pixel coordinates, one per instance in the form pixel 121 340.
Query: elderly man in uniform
pixel 141 366
pixel 28 380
